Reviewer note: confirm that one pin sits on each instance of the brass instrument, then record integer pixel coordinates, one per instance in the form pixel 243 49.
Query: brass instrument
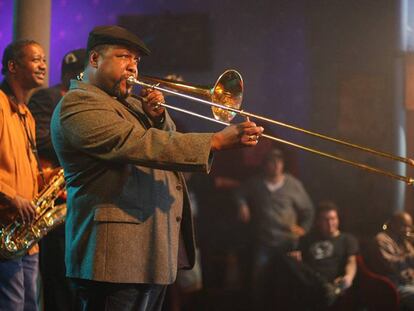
pixel 225 99
pixel 17 238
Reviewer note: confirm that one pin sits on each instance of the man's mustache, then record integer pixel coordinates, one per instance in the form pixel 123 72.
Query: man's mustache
pixel 118 82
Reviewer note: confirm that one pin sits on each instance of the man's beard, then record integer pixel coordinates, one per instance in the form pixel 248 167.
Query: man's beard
pixel 116 90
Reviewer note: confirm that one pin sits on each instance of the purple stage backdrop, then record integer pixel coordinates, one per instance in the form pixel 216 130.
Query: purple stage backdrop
pixel 6 23
pixel 72 20
pixel 266 42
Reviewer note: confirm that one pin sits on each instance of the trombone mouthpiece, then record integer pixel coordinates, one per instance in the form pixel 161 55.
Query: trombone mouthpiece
pixel 132 80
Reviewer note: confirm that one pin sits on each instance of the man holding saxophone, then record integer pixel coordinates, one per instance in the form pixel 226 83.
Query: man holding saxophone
pixel 129 225
pixel 24 68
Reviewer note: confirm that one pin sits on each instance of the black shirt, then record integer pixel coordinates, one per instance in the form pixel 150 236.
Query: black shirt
pixel 328 256
pixel 41 105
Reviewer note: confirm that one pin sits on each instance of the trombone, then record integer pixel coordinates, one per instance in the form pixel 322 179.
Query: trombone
pixel 225 99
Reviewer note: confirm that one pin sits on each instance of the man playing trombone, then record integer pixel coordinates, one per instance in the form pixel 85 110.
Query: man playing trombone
pixel 129 225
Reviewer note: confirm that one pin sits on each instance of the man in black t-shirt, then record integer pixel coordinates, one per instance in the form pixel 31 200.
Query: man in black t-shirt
pixel 328 251
pixel 319 272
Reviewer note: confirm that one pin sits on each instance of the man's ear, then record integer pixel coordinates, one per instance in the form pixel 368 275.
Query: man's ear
pixel 93 59
pixel 11 66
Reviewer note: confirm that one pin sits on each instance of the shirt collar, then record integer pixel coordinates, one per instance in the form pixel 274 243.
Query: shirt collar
pixel 5 87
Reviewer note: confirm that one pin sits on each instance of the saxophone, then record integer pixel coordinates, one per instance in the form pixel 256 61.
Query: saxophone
pixel 17 238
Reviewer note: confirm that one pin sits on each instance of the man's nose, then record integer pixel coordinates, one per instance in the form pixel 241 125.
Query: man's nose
pixel 43 64
pixel 132 67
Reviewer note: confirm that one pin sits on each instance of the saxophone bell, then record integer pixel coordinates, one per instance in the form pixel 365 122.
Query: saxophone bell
pixel 17 238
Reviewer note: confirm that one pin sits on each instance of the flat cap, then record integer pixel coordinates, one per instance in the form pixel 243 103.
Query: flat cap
pixel 115 35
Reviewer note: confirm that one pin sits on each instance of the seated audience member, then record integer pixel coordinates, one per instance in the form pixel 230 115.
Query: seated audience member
pixel 328 251
pixel 279 210
pixel 278 206
pixel 397 255
pixel 321 270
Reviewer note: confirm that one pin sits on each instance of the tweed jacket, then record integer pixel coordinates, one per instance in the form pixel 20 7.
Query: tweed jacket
pixel 126 203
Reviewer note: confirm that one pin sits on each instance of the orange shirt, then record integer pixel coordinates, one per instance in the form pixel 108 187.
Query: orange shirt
pixel 18 165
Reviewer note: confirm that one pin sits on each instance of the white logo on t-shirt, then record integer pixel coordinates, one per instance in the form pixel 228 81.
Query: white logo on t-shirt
pixel 321 250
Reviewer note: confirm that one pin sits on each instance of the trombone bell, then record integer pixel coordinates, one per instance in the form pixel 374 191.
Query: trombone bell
pixel 228 91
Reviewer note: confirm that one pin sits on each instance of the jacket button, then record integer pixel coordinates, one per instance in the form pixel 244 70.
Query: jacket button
pixel 178 187
pixel 178 218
